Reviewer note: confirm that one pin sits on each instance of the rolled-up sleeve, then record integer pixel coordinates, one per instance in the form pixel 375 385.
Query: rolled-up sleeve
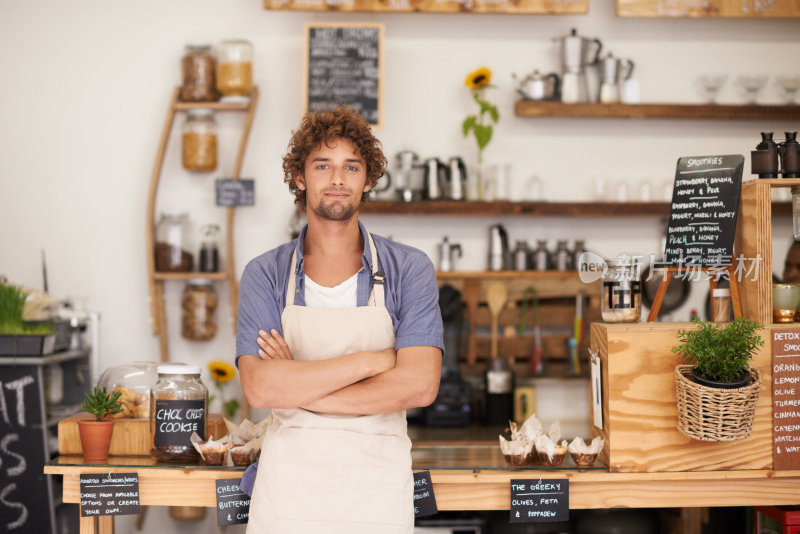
pixel 259 306
pixel 419 319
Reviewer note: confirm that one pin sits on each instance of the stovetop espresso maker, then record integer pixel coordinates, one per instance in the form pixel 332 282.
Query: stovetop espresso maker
pixel 575 54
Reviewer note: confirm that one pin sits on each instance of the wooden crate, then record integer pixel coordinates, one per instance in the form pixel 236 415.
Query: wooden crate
pixel 640 414
pixel 131 437
pixel 556 292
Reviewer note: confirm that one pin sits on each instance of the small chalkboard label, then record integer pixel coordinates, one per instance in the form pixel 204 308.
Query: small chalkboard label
pixel 231 192
pixel 424 499
pixel 176 420
pixel 786 398
pixel 109 494
pixel 233 506
pixel 702 217
pixel 542 500
pixel 343 65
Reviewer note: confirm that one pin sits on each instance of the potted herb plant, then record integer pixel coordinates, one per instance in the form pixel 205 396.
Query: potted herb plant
pixel 717 389
pixel 96 434
pixel 16 337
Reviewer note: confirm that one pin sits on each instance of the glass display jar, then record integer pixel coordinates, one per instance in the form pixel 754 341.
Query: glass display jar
pixel 234 69
pixel 198 71
pixel 199 305
pixel 173 246
pixel 133 381
pixel 179 407
pixel 622 292
pixel 199 141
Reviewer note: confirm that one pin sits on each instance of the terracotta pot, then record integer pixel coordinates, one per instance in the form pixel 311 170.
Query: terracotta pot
pixel 95 439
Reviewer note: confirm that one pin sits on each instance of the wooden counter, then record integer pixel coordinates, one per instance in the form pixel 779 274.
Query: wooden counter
pixel 459 484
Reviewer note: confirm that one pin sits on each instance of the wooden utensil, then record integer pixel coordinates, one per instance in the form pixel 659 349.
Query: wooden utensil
pixel 472 295
pixel 496 295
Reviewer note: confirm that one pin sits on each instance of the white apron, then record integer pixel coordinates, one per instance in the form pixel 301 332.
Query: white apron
pixel 328 473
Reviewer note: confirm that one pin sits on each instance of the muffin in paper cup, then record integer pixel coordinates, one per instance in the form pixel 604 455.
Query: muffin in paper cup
pixel 585 455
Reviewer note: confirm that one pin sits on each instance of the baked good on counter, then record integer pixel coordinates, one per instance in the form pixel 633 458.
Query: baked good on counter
pixel 550 452
pixel 519 450
pixel 585 455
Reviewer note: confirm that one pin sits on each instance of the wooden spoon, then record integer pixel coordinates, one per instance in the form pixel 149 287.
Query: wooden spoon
pixel 496 295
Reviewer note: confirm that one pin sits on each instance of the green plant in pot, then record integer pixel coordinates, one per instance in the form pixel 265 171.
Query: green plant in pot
pixel 96 434
pixel 717 390
pixel 720 352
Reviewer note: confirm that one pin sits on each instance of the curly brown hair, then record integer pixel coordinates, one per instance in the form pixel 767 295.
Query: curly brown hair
pixel 323 127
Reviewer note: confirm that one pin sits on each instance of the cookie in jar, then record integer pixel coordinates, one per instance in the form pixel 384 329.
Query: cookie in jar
pixel 199 307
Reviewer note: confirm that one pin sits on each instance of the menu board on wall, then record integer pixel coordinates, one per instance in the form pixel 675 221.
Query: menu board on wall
pixel 344 65
pixel 538 7
pixel 786 398
pixel 702 217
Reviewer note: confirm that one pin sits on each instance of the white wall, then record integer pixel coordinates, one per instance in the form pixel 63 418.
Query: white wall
pixel 85 87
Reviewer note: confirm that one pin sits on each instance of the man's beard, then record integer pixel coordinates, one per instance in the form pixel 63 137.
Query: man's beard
pixel 335 211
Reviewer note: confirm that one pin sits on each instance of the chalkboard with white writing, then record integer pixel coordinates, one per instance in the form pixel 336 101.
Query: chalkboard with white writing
pixel 233 505
pixel 177 420
pixel 344 65
pixel 424 499
pixel 109 494
pixel 230 192
pixel 542 500
pixel 786 398
pixel 702 217
pixel 24 505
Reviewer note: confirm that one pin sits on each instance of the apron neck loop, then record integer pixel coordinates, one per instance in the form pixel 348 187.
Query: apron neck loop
pixel 376 298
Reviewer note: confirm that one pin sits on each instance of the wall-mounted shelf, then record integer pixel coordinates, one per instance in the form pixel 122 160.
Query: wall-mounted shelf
pixel 531 108
pixel 518 7
pixel 544 209
pixel 707 8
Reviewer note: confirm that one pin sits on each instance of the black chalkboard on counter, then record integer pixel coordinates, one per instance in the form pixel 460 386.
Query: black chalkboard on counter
pixel 702 217
pixel 343 64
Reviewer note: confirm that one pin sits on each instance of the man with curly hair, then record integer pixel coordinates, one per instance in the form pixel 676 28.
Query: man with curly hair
pixel 339 332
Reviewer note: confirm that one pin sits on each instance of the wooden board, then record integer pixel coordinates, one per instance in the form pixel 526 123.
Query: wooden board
pixel 708 8
pixel 131 437
pixel 541 7
pixel 640 408
pixel 663 110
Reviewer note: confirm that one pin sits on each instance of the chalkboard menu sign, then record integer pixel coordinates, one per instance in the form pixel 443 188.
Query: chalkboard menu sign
pixel 344 65
pixel 786 398
pixel 24 490
pixel 538 501
pixel 109 494
pixel 230 192
pixel 702 218
pixel 424 499
pixel 233 505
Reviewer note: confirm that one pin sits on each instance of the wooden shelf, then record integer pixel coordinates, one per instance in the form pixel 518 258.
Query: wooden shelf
pixel 190 276
pixel 216 106
pixel 544 209
pixel 707 8
pixel 518 7
pixel 530 108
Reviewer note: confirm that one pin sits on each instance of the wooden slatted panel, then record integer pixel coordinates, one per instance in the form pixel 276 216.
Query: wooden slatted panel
pixel 708 8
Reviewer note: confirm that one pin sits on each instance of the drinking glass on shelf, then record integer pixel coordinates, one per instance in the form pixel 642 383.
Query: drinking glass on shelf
pixel 789 86
pixel 711 84
pixel 751 84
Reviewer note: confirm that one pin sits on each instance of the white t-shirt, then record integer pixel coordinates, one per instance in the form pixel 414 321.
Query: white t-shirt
pixel 341 296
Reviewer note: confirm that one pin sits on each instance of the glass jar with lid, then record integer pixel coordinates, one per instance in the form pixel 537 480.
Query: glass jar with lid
pixel 622 292
pixel 199 305
pixel 179 408
pixel 199 140
pixel 234 69
pixel 133 381
pixel 173 246
pixel 198 71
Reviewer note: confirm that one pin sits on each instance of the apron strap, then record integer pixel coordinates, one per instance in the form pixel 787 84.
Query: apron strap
pixel 376 298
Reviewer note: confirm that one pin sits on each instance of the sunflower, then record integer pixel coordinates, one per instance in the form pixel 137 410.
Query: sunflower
pixel 221 371
pixel 480 78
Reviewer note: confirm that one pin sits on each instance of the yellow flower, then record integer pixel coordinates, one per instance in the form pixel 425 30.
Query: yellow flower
pixel 479 78
pixel 221 371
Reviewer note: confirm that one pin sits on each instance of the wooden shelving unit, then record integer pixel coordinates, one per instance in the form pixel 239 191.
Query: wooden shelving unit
pixel 531 108
pixel 157 279
pixel 518 7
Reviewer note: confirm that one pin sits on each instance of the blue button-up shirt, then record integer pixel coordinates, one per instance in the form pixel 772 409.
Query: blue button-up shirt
pixel 412 296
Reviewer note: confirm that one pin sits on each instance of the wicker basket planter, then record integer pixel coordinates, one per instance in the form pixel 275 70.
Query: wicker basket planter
pixel 712 414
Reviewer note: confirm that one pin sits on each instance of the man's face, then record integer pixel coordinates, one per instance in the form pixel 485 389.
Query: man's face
pixel 334 180
pixel 791 267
